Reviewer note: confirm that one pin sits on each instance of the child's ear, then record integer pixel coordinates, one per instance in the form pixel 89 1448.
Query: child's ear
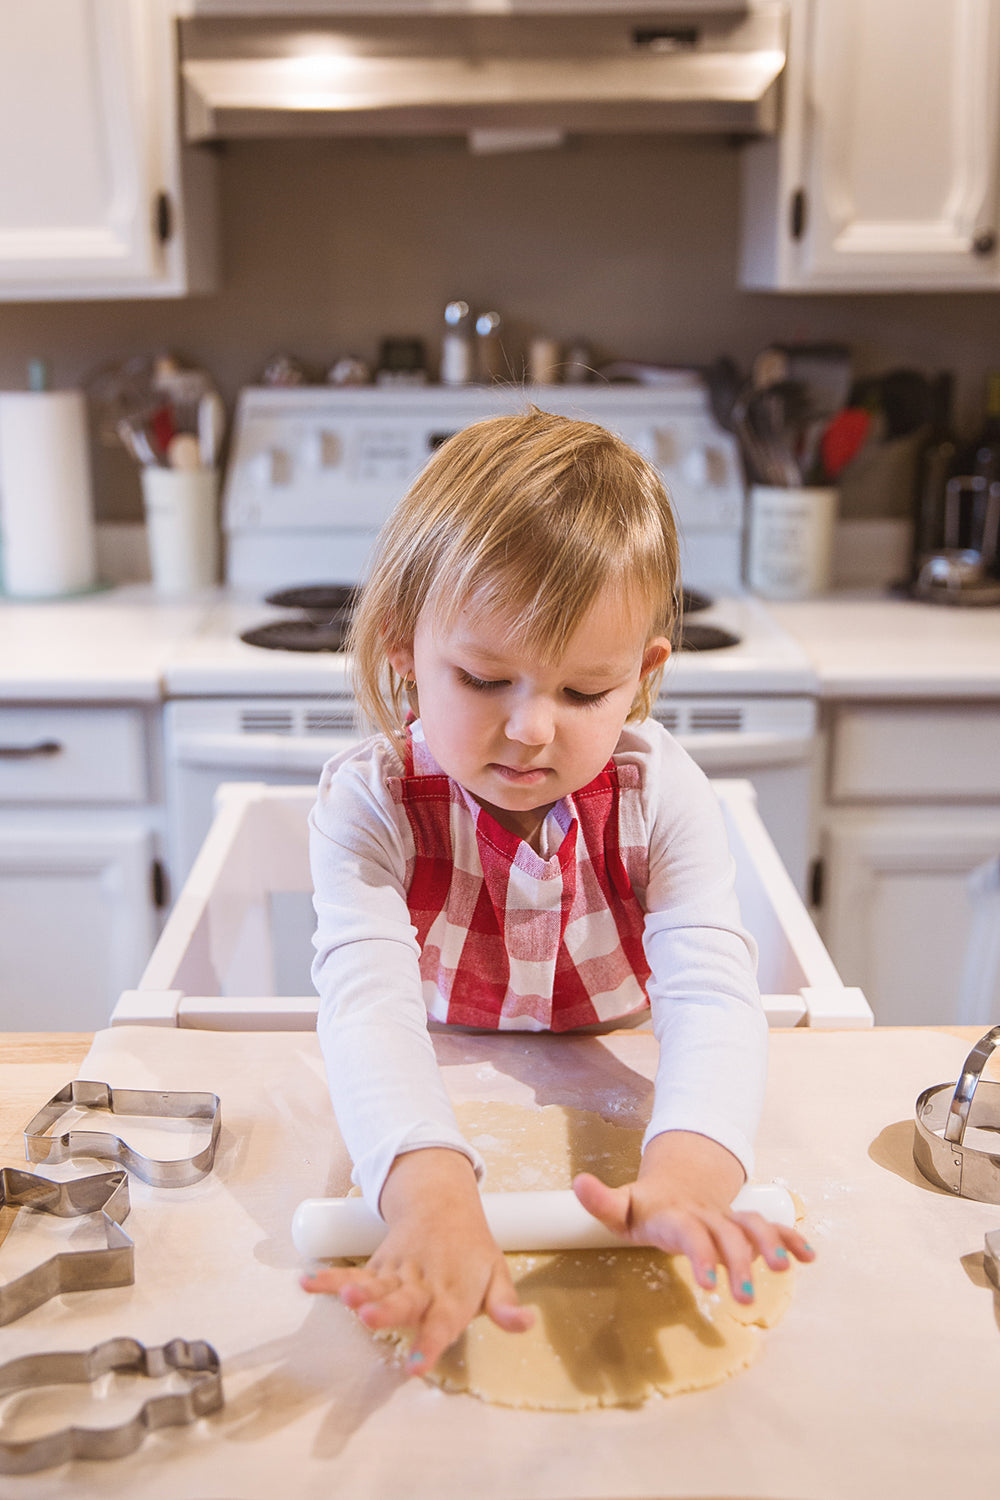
pixel 401 660
pixel 655 655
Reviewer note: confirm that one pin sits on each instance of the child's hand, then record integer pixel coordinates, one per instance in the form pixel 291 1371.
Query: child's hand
pixel 438 1265
pixel 680 1203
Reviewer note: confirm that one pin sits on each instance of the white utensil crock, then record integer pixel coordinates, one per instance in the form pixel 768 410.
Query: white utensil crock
pixel 182 526
pixel 790 543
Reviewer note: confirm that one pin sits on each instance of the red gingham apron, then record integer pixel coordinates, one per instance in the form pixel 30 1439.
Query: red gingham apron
pixel 509 940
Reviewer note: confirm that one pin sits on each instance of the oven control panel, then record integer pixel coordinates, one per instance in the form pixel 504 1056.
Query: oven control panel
pixel 322 468
pixel 342 458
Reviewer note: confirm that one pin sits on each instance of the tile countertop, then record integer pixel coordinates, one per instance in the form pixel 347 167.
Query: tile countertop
pixel 871 645
pixel 109 646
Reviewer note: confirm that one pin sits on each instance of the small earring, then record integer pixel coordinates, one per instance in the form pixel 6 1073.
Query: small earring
pixel 409 683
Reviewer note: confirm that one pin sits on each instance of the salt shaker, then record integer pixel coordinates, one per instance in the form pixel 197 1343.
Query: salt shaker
pixel 456 346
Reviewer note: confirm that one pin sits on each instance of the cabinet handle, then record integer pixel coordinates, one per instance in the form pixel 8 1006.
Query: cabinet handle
pixel 163 217
pixel 816 882
pixel 797 214
pixel 28 752
pixel 985 242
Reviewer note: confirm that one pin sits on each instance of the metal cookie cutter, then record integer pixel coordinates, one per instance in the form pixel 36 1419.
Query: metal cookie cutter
pixel 40 1146
pixel 944 1112
pixel 202 1397
pixel 73 1270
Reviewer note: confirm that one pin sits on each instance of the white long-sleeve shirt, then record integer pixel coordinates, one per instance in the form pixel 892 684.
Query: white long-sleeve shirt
pixel 384 1080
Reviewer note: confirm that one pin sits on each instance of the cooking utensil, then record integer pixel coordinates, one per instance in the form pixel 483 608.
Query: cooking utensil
pixel 777 414
pixel 341 1228
pixel 202 1395
pixel 106 1194
pixel 943 1114
pixel 723 382
pixel 184 451
pixel 211 426
pixel 843 438
pixel 39 1145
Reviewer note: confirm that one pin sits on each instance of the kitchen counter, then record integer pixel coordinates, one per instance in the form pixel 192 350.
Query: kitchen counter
pixel 108 646
pixel 868 645
pixel 127 644
pixel 890 1345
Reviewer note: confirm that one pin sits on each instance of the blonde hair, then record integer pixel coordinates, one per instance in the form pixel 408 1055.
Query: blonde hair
pixel 533 515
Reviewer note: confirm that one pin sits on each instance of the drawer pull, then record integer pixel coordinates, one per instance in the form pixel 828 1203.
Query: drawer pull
pixel 28 752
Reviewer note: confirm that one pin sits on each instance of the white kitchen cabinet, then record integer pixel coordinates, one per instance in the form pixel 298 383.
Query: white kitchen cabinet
pixel 97 196
pixel 886 171
pixel 913 807
pixel 80 883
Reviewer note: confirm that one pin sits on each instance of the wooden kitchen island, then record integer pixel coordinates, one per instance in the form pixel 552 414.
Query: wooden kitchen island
pixel 879 1382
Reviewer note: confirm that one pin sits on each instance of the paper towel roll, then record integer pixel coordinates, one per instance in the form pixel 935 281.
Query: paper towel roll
pixel 46 500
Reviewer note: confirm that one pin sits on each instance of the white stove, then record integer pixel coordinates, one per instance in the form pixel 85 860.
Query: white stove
pixel 312 475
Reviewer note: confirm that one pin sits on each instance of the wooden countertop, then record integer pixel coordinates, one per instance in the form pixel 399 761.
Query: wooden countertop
pixel 33 1065
pixel 838 1403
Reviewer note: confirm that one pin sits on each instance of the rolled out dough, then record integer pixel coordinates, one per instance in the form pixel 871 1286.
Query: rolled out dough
pixel 612 1328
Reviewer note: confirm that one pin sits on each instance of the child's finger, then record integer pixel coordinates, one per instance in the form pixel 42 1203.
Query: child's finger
pixel 609 1205
pixel 502 1305
pixel 405 1306
pixel 331 1279
pixel 765 1238
pixel 775 1241
pixel 731 1247
pixel 688 1234
pixel 437 1331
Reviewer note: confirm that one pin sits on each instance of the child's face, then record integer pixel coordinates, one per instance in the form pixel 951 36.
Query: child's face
pixel 519 732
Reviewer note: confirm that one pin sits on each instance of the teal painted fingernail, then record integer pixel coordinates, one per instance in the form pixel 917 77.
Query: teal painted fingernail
pixel 808 1249
pixel 415 1359
pixel 781 1253
pixel 746 1288
pixel 711 1277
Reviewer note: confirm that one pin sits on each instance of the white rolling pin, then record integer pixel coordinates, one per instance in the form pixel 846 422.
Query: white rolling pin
pixel 339 1228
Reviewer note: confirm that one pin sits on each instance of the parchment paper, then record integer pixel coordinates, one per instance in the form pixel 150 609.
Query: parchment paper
pixel 881 1380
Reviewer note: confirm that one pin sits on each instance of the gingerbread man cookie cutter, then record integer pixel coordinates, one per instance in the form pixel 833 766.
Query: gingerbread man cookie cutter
pixel 202 1396
pixel 40 1145
pixel 105 1193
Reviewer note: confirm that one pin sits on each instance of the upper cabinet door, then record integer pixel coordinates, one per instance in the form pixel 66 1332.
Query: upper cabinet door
pixel 95 197
pixel 885 176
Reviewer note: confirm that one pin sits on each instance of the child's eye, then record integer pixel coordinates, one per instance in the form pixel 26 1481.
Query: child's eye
pixel 585 699
pixel 479 684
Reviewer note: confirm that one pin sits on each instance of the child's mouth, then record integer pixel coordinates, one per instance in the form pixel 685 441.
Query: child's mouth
pixel 511 774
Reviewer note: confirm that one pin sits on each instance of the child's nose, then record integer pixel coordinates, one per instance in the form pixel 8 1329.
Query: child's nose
pixel 531 722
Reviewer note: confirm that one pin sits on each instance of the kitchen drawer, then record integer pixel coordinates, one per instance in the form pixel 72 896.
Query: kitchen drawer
pixel 72 755
pixel 912 751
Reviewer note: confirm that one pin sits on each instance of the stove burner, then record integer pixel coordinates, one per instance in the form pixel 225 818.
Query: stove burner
pixel 298 635
pixel 319 598
pixel 697 636
pixel 326 612
pixel 693 600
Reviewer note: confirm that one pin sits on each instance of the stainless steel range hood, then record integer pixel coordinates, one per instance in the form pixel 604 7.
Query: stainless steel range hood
pixel 503 67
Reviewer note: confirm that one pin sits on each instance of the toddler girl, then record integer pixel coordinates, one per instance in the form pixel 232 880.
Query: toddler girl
pixel 521 848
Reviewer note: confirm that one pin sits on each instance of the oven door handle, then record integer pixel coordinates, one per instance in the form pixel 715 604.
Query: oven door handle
pixel 260 752
pixel 717 751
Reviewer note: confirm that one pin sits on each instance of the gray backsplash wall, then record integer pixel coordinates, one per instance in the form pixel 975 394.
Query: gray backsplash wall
pixel 630 244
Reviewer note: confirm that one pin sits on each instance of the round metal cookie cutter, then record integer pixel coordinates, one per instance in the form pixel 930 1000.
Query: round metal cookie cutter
pixel 943 1114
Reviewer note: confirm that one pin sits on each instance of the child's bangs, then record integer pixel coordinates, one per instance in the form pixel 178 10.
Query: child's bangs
pixel 542 601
